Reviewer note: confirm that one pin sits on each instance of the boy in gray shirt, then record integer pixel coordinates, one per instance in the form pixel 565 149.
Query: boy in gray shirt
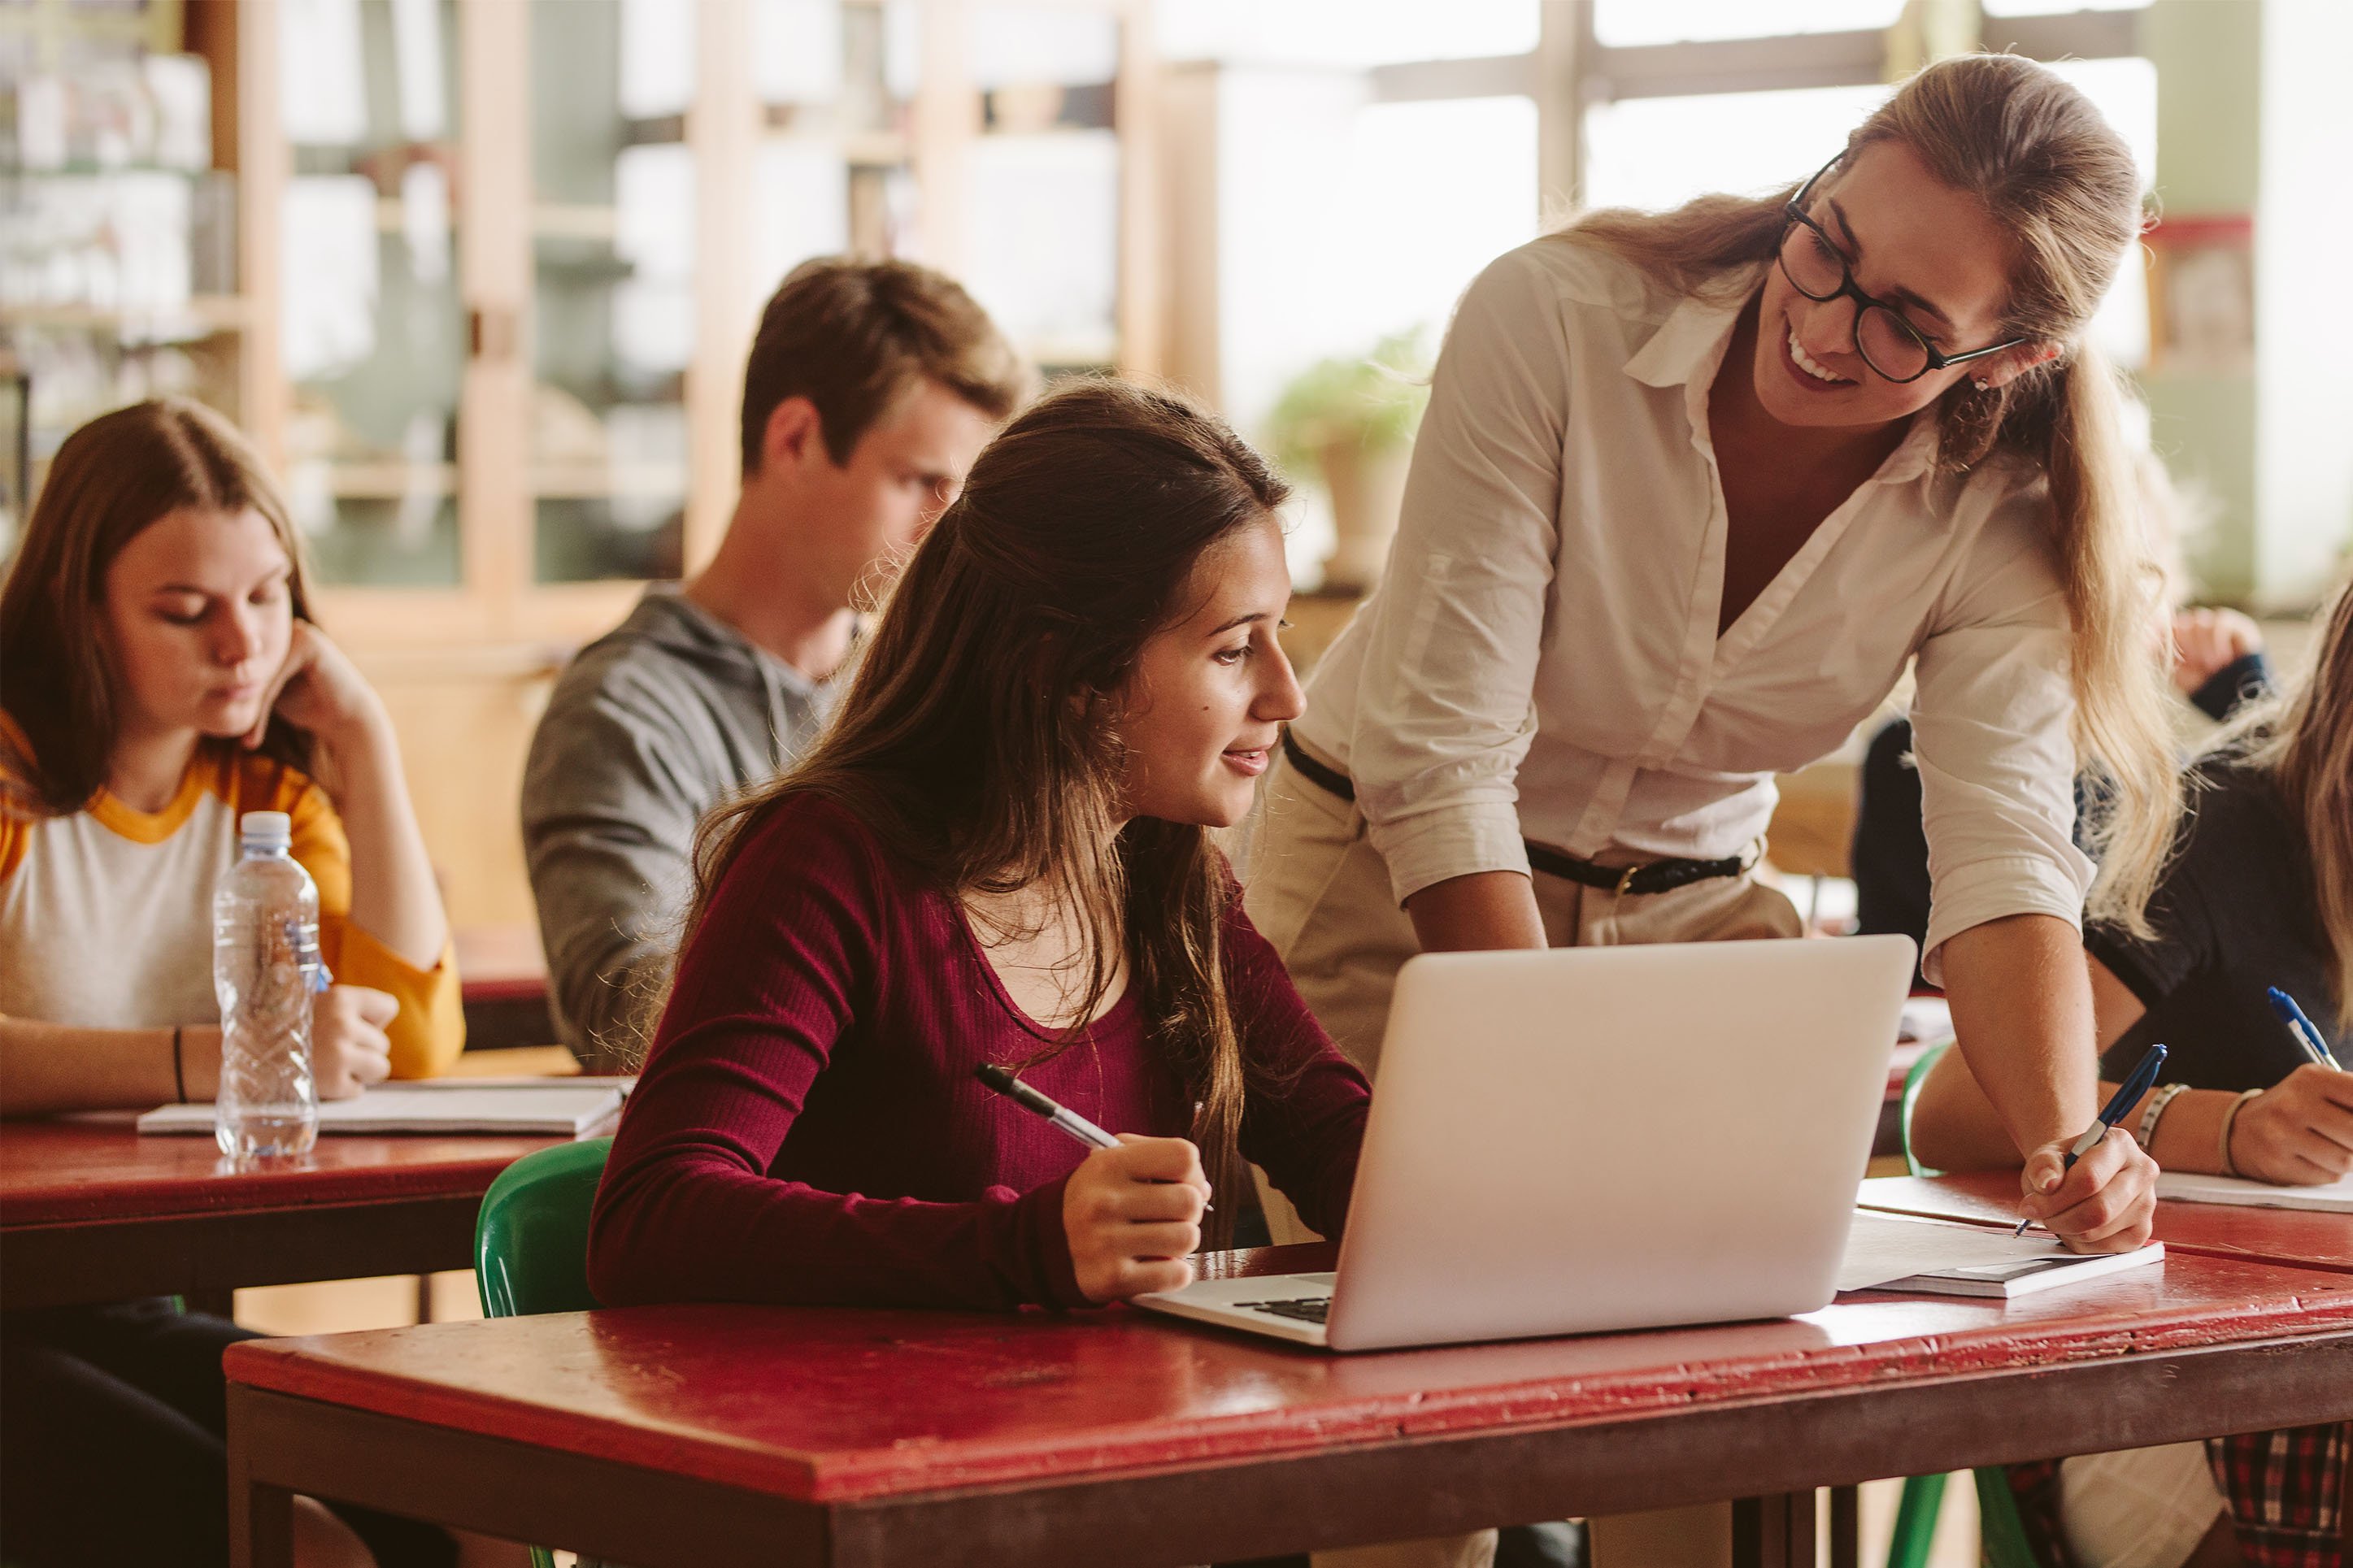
pixel 870 389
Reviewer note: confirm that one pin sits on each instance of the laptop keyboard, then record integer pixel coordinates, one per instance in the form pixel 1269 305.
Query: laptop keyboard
pixel 1306 1309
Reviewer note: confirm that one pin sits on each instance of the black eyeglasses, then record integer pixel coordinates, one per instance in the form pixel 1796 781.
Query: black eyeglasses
pixel 1889 344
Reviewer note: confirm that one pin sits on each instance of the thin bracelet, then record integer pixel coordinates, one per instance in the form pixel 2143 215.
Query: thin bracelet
pixel 2156 1105
pixel 179 1076
pixel 2228 1117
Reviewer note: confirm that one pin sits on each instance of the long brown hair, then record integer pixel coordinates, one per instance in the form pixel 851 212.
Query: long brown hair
pixel 980 738
pixel 2062 184
pixel 110 480
pixel 2303 740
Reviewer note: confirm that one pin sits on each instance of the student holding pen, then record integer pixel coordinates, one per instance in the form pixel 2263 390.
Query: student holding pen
pixel 999 856
pixel 2256 901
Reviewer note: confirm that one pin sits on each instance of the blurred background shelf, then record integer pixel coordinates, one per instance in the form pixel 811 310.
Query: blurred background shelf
pixel 202 316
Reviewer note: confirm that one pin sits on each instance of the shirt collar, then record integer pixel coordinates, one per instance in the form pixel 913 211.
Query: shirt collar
pixel 1689 346
pixel 1691 342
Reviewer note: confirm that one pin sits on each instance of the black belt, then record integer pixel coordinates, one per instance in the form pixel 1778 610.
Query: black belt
pixel 1658 877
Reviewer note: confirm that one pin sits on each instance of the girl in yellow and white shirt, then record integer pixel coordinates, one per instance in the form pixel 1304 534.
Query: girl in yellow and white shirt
pixel 159 674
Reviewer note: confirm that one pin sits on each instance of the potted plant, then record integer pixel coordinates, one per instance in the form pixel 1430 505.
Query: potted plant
pixel 1350 421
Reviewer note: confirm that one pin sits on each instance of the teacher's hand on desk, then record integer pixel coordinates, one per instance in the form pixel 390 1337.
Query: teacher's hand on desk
pixel 349 1050
pixel 2299 1131
pixel 2105 1203
pixel 1133 1216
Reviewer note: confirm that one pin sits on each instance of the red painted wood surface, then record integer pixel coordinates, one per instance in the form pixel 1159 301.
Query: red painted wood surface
pixel 499 963
pixel 834 1405
pixel 99 1169
pixel 2300 1238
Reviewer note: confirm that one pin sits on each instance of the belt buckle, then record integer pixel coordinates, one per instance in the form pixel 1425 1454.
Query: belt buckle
pixel 1626 882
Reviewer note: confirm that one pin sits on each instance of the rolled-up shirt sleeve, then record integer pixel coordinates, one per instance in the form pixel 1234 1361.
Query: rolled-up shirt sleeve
pixel 1992 734
pixel 1445 711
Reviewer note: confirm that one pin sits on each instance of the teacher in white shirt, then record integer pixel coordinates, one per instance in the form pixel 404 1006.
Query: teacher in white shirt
pixel 1691 492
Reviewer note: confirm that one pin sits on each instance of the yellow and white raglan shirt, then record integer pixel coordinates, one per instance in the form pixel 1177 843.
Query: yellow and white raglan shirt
pixel 106 913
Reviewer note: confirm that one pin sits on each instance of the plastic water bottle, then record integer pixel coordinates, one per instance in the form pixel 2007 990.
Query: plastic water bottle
pixel 266 969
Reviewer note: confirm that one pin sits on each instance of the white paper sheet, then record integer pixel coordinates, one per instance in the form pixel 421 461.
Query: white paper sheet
pixel 560 1107
pixel 2334 1197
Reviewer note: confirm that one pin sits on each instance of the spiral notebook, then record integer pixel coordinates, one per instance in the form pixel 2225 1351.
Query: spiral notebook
pixel 555 1108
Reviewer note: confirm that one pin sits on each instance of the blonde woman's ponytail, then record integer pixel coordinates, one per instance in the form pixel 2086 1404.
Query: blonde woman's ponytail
pixel 2113 588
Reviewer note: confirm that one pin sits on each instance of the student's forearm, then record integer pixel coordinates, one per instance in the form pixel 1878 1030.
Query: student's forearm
pixel 2022 1014
pixel 393 898
pixel 47 1069
pixel 1954 1127
pixel 1480 912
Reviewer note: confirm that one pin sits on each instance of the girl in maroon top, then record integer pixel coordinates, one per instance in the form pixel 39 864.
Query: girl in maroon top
pixel 1000 853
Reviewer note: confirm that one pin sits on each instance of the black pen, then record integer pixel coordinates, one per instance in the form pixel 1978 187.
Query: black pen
pixel 1002 1080
pixel 2127 1095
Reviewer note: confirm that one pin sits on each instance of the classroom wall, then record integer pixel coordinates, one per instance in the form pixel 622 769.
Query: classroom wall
pixel 2303 335
pixel 2253 122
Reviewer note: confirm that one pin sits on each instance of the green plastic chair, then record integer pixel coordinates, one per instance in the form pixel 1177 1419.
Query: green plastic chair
pixel 2001 1533
pixel 531 1241
pixel 531 1236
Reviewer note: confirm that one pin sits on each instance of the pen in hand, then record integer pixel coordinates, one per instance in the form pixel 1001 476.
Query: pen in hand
pixel 2307 1034
pixel 2119 1106
pixel 1077 1127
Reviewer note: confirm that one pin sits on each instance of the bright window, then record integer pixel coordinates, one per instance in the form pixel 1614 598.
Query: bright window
pixel 1624 24
pixel 1659 152
pixel 1343 32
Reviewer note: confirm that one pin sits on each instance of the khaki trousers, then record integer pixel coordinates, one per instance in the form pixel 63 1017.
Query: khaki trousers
pixel 1320 892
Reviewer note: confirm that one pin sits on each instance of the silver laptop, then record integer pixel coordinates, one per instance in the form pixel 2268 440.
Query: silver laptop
pixel 1595 1139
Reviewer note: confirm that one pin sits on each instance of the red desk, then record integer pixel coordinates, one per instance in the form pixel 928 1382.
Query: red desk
pixel 2300 1238
pixel 502 979
pixel 89 1211
pixel 719 1434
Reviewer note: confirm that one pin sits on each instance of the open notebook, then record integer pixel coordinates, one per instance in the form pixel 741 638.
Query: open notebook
pixel 559 1108
pixel 2333 1197
pixel 1938 1257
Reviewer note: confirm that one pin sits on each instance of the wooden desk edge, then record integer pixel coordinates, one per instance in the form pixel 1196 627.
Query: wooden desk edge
pixel 285 1366
pixel 1327 1495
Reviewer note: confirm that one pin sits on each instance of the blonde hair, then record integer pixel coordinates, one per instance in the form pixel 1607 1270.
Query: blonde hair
pixel 2062 184
pixel 110 479
pixel 2302 740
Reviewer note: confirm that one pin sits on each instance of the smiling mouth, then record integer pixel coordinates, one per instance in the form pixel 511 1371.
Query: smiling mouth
pixel 1798 357
pixel 1249 759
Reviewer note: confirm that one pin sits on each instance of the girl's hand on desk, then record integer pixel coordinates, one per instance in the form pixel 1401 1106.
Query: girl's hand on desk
pixel 2105 1203
pixel 1133 1216
pixel 349 1050
pixel 2299 1131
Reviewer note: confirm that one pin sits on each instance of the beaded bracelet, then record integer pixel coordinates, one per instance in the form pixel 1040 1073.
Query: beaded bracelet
pixel 2157 1102
pixel 2223 1139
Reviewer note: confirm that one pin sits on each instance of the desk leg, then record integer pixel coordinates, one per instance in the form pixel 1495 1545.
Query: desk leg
pixel 1846 1527
pixel 1775 1532
pixel 260 1516
pixel 260 1524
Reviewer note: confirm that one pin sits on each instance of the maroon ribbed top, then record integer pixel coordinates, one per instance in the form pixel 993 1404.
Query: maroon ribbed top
pixel 807 1127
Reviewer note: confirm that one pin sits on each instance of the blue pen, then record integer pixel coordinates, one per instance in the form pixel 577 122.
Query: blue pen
pixel 2307 1034
pixel 2127 1095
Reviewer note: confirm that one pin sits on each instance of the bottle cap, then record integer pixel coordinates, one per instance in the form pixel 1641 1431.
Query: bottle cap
pixel 265 829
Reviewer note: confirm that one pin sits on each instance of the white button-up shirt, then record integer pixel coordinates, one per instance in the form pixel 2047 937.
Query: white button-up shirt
pixel 1541 658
